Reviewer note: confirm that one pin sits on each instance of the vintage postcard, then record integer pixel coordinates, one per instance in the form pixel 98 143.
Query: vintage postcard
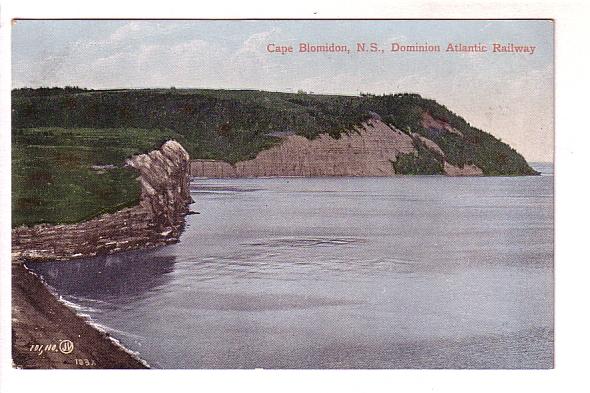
pixel 282 194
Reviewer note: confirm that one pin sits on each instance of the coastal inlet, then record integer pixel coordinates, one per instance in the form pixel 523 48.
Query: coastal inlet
pixel 394 272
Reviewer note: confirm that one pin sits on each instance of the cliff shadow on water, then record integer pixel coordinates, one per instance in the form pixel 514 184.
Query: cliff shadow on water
pixel 142 272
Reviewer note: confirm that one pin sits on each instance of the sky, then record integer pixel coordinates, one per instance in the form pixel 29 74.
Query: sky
pixel 507 94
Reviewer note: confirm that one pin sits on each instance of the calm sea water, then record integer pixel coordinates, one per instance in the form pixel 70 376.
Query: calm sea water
pixel 403 272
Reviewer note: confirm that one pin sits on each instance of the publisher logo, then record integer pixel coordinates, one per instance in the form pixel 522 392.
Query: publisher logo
pixel 66 346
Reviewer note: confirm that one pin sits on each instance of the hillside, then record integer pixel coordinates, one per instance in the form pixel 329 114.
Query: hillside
pixel 68 144
pixel 234 125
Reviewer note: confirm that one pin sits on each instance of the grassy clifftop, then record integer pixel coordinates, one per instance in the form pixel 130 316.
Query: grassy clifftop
pixel 234 125
pixel 69 144
pixel 67 175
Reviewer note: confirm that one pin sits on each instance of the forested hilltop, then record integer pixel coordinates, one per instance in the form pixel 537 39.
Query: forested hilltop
pixel 69 144
pixel 234 125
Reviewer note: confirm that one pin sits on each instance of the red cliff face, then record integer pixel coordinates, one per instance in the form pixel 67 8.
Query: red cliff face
pixel 367 151
pixel 157 220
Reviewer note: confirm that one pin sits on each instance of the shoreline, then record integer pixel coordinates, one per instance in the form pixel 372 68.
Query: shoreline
pixel 46 333
pixel 41 318
pixel 43 327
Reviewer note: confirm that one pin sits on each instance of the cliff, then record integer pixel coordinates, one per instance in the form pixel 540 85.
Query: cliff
pixel 371 150
pixel 157 220
pixel 366 152
pixel 254 130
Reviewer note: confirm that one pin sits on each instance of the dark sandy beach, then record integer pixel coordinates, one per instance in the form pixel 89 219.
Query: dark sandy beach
pixel 41 326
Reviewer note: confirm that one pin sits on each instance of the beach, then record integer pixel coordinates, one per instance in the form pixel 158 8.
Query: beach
pixel 40 323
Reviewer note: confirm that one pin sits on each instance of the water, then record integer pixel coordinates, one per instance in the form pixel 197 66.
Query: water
pixel 404 272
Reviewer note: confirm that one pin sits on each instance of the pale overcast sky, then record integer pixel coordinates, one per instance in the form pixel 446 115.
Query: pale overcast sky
pixel 508 95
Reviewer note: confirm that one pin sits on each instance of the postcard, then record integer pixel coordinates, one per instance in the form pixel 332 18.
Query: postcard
pixel 282 194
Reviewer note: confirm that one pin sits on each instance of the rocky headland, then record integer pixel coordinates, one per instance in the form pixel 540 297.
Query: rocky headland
pixel 157 220
pixel 41 323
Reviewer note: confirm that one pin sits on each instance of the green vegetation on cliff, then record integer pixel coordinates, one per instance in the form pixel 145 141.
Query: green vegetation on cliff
pixel 67 175
pixel 64 139
pixel 423 163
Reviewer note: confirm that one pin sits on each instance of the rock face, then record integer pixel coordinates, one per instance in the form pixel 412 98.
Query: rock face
pixel 430 145
pixel 157 220
pixel 367 151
